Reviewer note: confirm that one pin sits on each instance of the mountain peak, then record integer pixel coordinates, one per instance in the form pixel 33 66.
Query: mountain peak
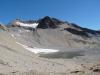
pixel 48 22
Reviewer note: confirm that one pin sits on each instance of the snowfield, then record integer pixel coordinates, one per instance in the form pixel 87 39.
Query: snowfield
pixel 38 50
pixel 34 25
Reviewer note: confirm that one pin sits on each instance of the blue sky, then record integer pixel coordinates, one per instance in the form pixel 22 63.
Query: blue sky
pixel 85 13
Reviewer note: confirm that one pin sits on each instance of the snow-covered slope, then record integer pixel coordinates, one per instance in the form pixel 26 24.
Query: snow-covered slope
pixel 38 50
pixel 20 23
pixel 32 25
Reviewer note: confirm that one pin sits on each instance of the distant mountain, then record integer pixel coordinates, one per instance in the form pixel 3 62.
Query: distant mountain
pixel 50 32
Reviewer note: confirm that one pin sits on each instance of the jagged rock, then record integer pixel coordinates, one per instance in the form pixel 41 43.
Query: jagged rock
pixel 48 22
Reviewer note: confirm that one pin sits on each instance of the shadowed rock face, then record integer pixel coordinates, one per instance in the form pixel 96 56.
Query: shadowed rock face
pixel 76 32
pixel 48 22
pixel 89 31
pixel 98 31
pixel 84 29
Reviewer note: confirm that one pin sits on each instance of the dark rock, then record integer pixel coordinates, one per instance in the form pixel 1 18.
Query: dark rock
pixel 77 71
pixel 98 31
pixel 96 70
pixel 84 29
pixel 48 22
pixel 77 32
pixel 89 31
pixel 76 26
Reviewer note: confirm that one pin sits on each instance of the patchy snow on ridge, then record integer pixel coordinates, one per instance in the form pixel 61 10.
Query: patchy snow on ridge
pixel 38 50
pixel 33 25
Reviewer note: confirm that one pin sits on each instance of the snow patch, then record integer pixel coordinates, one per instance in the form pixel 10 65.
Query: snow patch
pixel 12 35
pixel 38 50
pixel 33 25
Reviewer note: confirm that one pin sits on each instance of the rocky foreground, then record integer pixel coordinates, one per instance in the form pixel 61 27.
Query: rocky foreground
pixel 76 49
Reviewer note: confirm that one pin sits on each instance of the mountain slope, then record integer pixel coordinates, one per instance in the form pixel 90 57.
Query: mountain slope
pixel 53 33
pixel 3 27
pixel 52 47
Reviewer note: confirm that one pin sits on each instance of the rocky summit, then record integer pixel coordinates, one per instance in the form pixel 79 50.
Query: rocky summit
pixel 48 22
